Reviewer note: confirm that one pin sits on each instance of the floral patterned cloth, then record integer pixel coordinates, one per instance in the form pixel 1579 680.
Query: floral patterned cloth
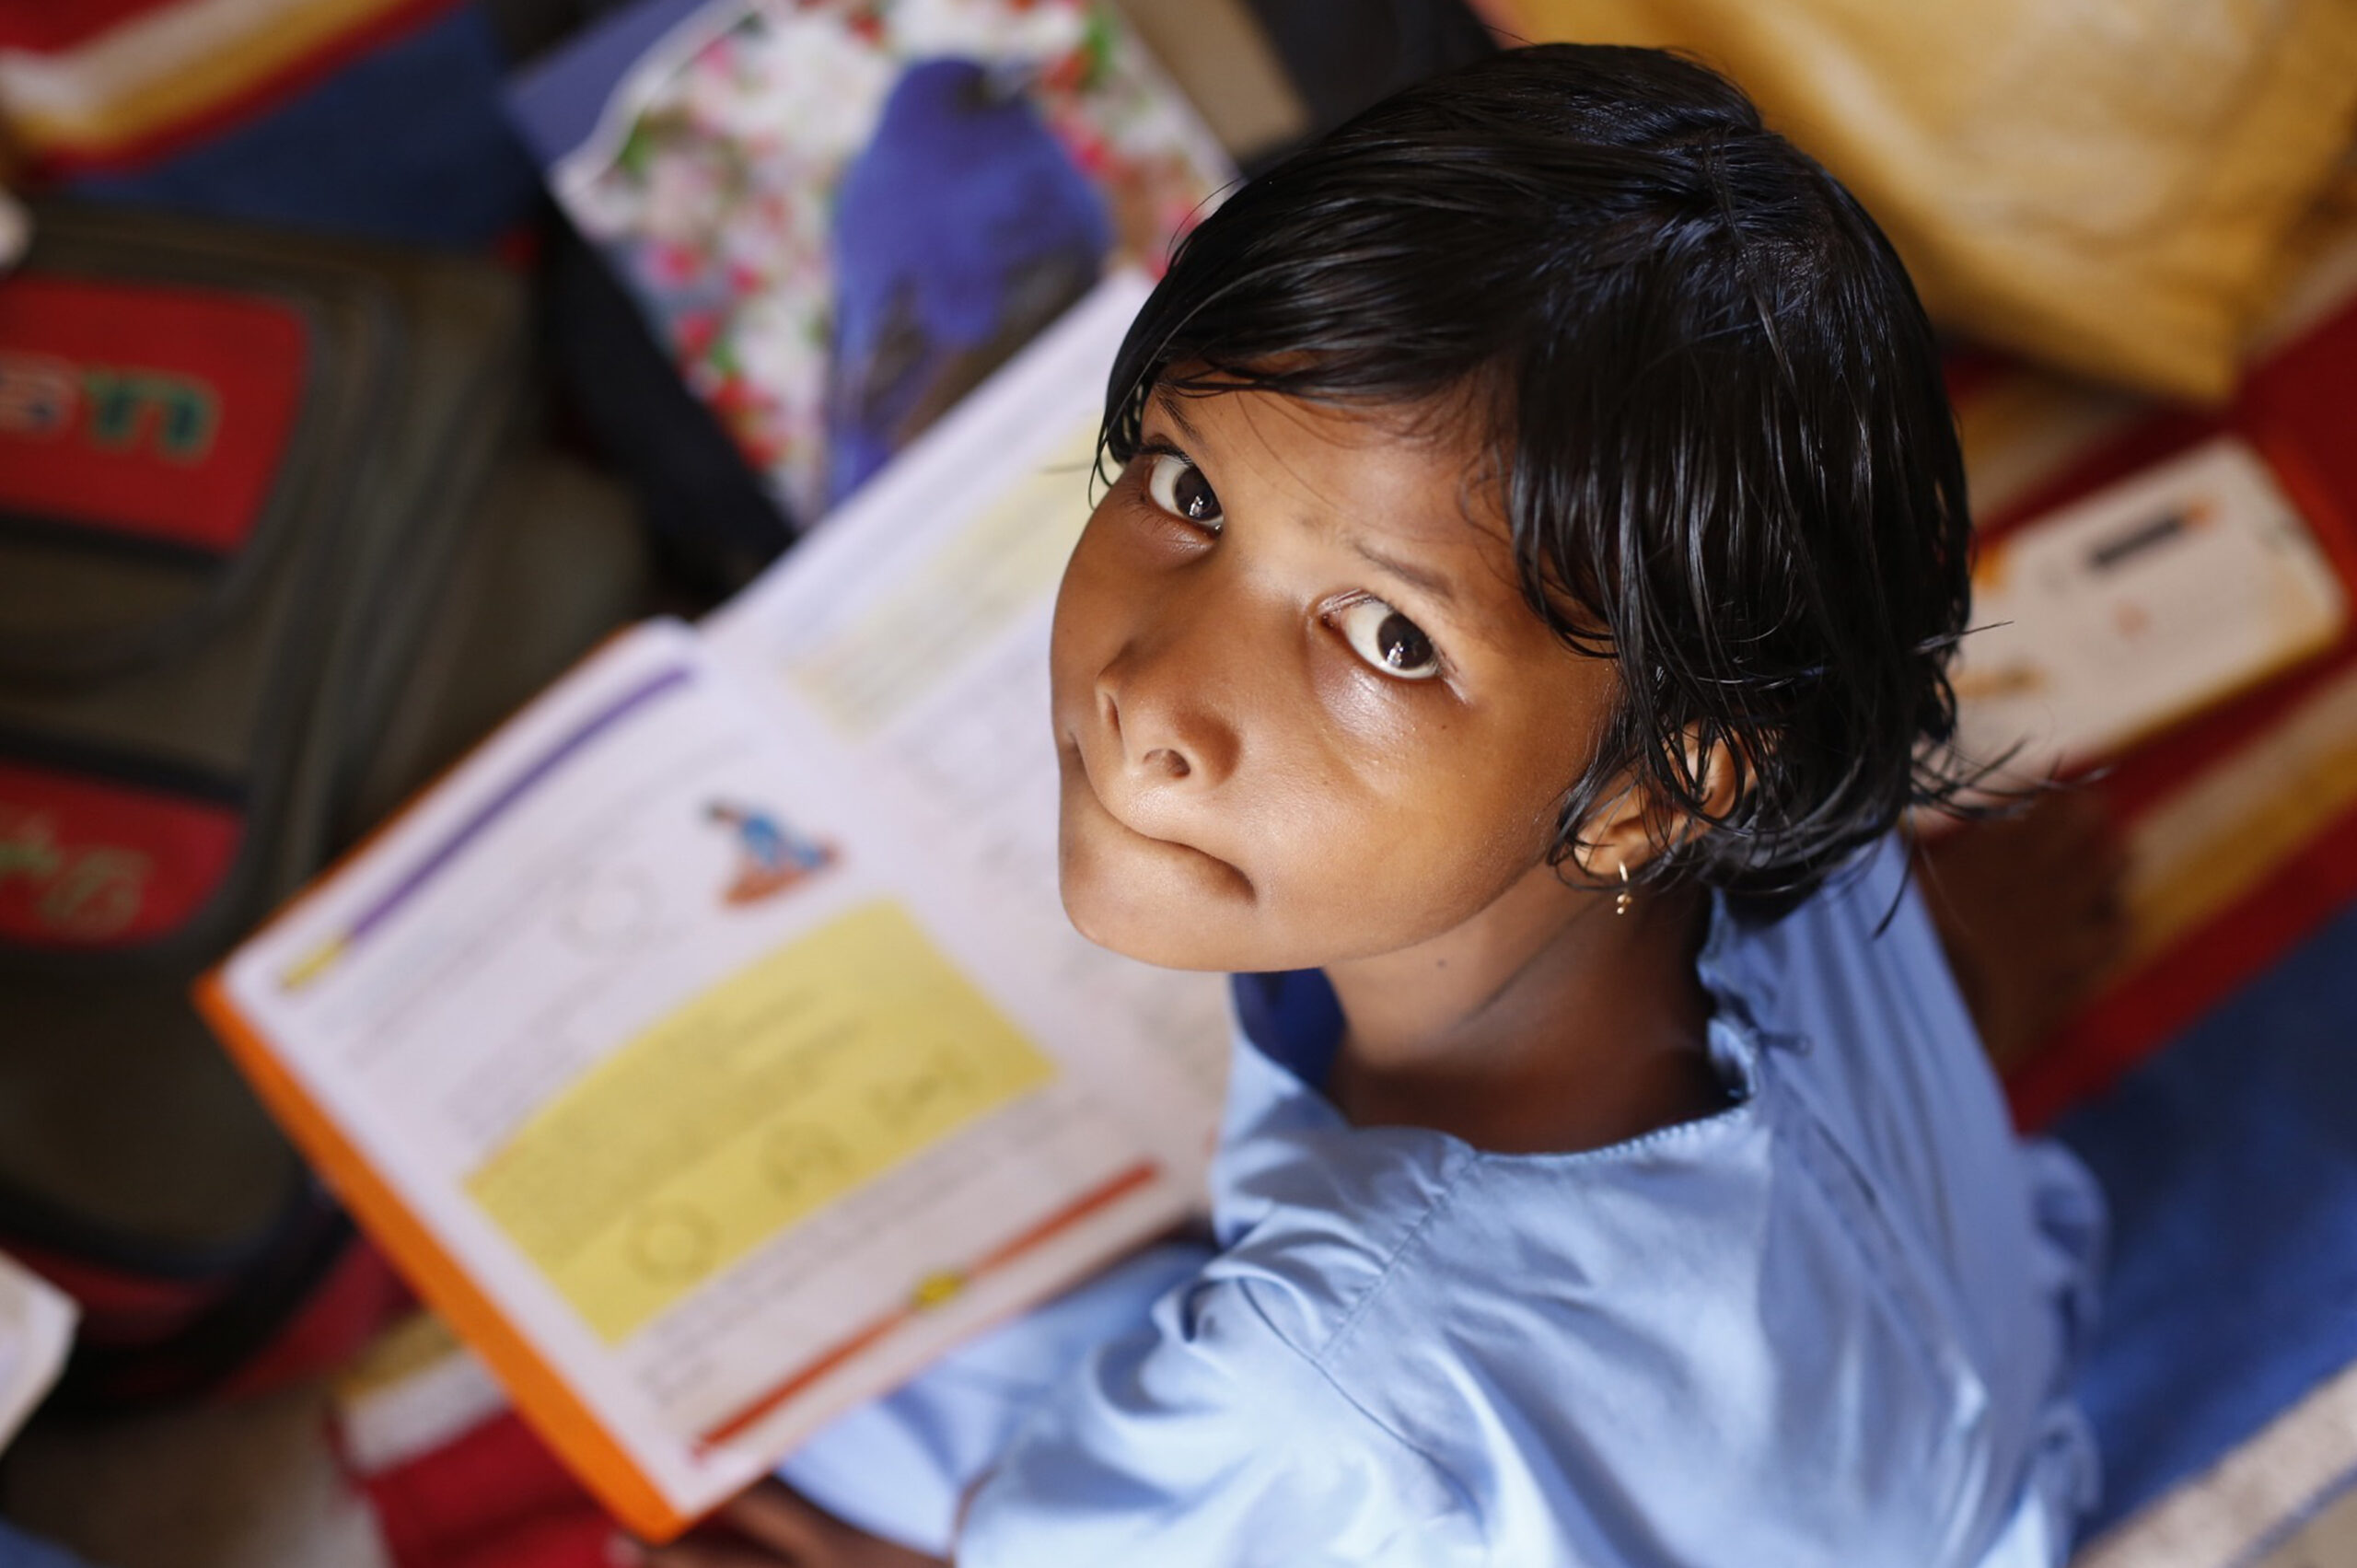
pixel 712 178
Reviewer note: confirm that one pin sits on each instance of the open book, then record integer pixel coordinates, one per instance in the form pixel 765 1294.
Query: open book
pixel 709 1047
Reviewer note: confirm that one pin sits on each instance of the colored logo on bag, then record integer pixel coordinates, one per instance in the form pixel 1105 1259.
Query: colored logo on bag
pixel 84 894
pixel 43 397
pixel 91 864
pixel 157 410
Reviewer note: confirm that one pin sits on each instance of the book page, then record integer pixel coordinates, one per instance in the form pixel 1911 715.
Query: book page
pixel 703 1067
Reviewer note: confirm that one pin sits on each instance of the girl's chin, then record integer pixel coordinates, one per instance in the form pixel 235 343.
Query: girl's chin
pixel 1176 911
pixel 1133 923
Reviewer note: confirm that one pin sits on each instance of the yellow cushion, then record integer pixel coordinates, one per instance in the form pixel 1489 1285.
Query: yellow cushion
pixel 2104 184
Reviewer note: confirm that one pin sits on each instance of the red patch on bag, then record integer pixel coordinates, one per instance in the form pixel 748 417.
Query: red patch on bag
pixel 159 412
pixel 86 863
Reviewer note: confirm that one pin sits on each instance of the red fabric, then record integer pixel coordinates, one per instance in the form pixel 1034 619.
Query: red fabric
pixel 2299 408
pixel 355 1303
pixel 493 1496
pixel 84 863
pixel 577 1539
pixel 1967 368
pixel 159 412
pixel 120 1308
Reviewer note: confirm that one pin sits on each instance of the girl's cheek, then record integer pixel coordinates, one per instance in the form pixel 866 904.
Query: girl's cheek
pixel 1388 724
pixel 1151 535
pixel 1101 578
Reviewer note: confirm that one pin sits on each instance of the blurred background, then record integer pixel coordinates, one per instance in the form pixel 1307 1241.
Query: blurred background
pixel 362 363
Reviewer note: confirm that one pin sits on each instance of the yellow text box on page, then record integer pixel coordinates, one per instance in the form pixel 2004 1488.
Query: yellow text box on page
pixel 807 1073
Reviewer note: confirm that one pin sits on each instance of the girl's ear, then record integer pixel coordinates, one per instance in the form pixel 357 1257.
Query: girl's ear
pixel 1636 824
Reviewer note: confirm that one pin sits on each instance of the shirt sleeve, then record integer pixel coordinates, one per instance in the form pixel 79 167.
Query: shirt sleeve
pixel 897 1467
pixel 1209 1439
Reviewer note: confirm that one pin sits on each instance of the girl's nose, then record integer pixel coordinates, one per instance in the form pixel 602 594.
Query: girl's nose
pixel 1145 761
pixel 1169 697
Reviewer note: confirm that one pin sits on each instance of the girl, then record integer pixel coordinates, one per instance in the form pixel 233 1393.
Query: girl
pixel 1516 633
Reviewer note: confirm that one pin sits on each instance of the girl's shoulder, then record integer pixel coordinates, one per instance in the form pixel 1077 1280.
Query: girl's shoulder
pixel 1863 1170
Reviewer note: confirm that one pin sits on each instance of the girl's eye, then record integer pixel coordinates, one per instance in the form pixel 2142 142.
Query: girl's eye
pixel 1389 640
pixel 1179 488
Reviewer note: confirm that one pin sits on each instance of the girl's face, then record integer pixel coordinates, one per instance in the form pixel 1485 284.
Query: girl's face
pixel 1303 711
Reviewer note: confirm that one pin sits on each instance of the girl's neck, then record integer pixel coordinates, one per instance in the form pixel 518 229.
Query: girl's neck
pixel 1546 1023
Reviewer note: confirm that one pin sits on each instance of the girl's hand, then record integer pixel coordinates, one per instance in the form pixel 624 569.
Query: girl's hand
pixel 770 1526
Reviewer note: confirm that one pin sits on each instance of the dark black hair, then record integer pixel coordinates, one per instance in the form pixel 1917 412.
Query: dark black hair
pixel 1725 451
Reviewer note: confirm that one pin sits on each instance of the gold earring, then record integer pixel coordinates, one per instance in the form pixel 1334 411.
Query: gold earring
pixel 1624 898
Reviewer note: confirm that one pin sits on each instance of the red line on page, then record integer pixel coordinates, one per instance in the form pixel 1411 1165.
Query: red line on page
pixel 1090 1202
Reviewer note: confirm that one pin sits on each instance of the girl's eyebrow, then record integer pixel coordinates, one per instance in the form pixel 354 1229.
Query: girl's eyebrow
pixel 1167 401
pixel 1431 582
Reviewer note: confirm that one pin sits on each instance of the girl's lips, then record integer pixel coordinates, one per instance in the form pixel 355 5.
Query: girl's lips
pixel 1075 759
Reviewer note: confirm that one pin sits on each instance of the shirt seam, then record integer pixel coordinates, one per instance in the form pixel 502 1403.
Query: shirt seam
pixel 1316 1365
pixel 1843 1199
pixel 1442 1200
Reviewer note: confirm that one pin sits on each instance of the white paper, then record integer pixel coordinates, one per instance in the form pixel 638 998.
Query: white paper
pixel 2137 606
pixel 36 1330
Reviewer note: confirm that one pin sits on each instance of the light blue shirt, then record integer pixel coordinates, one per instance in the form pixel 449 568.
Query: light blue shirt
pixel 1832 1323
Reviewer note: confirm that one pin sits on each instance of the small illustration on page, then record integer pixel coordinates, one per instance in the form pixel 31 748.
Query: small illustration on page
pixel 771 856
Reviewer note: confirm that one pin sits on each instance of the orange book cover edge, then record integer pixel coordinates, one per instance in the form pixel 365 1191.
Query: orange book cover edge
pixel 541 1393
